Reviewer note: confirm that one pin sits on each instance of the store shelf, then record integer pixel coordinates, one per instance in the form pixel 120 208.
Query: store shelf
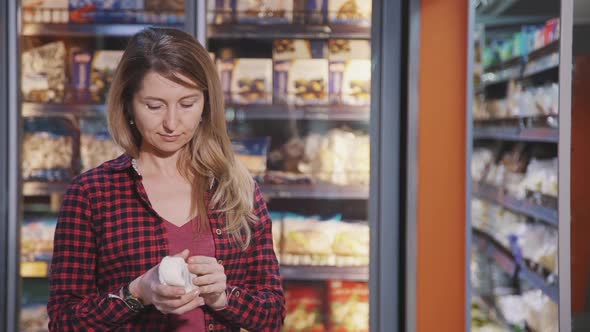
pixel 497 196
pixel 278 31
pixel 538 61
pixel 325 273
pixel 288 112
pixel 542 135
pixel 35 109
pixel 535 280
pixel 44 188
pixel 504 258
pixel 38 269
pixel 317 191
pixel 547 62
pixel 501 255
pixel 85 30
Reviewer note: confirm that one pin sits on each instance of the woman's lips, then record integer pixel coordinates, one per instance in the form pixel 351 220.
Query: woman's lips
pixel 170 138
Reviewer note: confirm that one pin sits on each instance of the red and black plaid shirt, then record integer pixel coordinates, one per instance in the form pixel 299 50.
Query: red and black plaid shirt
pixel 108 234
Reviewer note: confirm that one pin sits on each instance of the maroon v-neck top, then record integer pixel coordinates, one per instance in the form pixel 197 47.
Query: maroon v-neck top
pixel 199 243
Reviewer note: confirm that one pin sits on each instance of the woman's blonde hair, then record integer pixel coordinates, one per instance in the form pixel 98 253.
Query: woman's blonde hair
pixel 208 156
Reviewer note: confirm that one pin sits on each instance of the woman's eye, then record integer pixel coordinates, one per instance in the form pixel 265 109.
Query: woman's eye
pixel 187 105
pixel 153 107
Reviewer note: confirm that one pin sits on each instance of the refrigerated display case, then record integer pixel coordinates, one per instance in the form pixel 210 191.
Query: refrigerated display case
pixel 296 77
pixel 308 140
pixel 516 149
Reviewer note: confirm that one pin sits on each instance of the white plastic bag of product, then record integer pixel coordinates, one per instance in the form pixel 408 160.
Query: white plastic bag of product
pixel 173 271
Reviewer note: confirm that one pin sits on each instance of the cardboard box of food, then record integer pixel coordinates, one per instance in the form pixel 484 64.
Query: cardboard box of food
pixel 357 12
pixel 264 11
pixel 350 72
pixel 290 49
pixel 45 11
pixel 246 81
pixel 301 82
pixel 81 72
pixel 104 65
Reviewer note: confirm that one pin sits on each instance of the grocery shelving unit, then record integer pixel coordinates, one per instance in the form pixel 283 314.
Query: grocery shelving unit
pixel 539 130
pixel 84 30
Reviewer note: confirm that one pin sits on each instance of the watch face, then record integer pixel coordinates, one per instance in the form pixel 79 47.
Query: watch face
pixel 134 304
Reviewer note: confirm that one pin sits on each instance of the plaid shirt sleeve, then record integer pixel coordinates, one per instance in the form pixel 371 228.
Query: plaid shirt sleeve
pixel 258 304
pixel 75 303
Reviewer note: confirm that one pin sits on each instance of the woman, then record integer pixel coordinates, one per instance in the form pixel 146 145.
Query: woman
pixel 178 190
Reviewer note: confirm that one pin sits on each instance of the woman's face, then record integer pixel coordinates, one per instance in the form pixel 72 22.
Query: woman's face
pixel 166 113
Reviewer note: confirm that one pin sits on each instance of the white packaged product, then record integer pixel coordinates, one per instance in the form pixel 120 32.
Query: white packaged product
pixel 480 159
pixel 43 73
pixel 542 312
pixel 173 271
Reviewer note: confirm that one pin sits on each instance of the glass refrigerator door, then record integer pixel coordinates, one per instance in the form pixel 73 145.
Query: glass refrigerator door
pixel 68 51
pixel 296 78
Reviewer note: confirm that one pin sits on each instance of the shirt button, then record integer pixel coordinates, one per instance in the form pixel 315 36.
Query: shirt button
pixel 237 293
pixel 211 327
pixel 218 231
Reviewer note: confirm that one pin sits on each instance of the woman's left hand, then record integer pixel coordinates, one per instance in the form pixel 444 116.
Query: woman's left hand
pixel 211 280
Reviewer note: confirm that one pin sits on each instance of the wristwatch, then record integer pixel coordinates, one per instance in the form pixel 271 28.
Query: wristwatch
pixel 131 301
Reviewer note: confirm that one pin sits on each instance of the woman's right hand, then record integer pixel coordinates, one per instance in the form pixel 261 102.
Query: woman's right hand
pixel 167 299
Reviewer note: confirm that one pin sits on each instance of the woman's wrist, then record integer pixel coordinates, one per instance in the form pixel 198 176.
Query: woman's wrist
pixel 220 303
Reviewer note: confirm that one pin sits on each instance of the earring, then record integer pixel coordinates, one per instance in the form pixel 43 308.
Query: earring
pixel 131 122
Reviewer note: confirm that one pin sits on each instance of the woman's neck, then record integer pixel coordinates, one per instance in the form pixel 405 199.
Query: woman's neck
pixel 152 164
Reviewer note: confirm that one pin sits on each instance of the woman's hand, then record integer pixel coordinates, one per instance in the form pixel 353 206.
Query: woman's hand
pixel 167 299
pixel 211 280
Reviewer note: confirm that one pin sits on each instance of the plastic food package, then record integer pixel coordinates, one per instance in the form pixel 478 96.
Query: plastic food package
pixel 96 144
pixel 542 313
pixel 264 11
pixel 252 152
pixel 301 81
pixel 45 11
pixel 539 244
pixel 308 242
pixel 541 176
pixel 341 157
pixel 480 159
pixel 349 306
pixel 47 149
pixel 304 308
pixel 246 81
pixel 356 12
pixel 37 239
pixel 34 318
pixel 43 73
pixel 479 213
pixel 106 11
pixel 351 244
pixel 350 71
pixel 512 308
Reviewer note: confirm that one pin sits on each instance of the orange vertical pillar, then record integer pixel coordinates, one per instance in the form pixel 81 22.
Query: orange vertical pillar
pixel 441 284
